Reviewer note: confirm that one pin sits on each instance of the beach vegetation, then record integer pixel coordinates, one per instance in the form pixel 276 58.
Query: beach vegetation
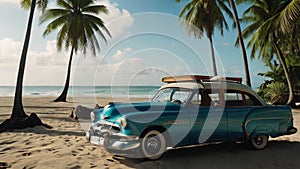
pixel 274 88
pixel 269 36
pixel 79 26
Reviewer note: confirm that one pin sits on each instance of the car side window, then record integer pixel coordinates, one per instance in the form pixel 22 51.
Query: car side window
pixel 180 95
pixel 249 101
pixel 215 97
pixel 237 99
pixel 196 99
pixel 233 99
pixel 205 98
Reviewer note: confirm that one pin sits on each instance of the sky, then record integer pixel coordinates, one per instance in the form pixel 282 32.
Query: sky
pixel 147 44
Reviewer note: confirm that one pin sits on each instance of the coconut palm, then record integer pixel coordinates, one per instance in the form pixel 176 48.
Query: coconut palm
pixel 203 16
pixel 264 28
pixel 78 26
pixel 19 119
pixel 241 40
pixel 18 110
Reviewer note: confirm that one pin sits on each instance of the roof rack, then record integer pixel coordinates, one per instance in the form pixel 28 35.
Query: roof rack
pixel 200 78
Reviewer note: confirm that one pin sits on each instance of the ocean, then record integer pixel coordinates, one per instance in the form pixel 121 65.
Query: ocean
pixel 101 91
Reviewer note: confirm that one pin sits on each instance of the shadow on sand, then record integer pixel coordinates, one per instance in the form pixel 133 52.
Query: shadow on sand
pixel 50 132
pixel 278 154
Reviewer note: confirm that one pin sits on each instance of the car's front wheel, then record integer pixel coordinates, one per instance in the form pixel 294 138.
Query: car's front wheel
pixel 259 142
pixel 153 144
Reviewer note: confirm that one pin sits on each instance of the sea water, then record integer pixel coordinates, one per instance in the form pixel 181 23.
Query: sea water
pixel 98 91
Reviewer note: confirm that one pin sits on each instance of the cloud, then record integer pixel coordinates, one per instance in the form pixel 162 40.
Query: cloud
pixel 10 50
pixel 16 2
pixel 50 56
pixel 46 67
pixel 120 54
pixel 118 20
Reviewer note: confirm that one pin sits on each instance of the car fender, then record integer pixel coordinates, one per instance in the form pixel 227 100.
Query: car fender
pixel 265 120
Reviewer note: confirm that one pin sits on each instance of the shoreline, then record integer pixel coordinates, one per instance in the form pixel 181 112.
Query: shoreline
pixel 65 145
pixel 75 100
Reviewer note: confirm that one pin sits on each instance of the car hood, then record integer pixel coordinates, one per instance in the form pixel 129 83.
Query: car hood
pixel 114 110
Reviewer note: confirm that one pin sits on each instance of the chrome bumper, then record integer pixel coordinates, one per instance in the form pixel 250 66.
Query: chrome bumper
pixel 111 140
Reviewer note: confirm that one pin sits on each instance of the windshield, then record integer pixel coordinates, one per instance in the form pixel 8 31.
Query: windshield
pixel 175 95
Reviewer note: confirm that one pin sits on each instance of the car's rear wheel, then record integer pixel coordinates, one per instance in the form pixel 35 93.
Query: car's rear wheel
pixel 259 142
pixel 153 144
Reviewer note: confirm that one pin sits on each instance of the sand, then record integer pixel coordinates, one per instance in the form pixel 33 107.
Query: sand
pixel 65 146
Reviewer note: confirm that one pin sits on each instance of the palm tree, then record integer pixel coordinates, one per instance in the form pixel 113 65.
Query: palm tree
pixel 263 15
pixel 203 16
pixel 18 110
pixel 78 26
pixel 241 41
pixel 19 119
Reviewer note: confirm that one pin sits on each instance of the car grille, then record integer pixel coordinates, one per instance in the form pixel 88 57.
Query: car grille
pixel 106 126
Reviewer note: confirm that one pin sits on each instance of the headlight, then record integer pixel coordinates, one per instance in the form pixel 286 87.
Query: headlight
pixel 123 122
pixel 92 115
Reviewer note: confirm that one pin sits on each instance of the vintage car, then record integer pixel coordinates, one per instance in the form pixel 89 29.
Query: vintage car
pixel 189 110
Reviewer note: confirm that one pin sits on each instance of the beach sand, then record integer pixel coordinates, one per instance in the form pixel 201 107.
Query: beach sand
pixel 65 146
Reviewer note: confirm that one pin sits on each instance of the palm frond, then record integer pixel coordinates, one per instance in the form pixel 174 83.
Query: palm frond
pixel 78 23
pixel 289 16
pixel 53 13
pixel 96 9
pixel 25 4
pixel 42 4
pixel 64 4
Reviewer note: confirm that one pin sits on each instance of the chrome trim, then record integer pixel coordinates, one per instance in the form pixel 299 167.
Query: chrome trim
pixel 103 122
pixel 124 136
pixel 235 122
pixel 176 122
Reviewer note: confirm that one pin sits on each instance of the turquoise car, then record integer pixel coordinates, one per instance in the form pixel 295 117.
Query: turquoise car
pixel 189 110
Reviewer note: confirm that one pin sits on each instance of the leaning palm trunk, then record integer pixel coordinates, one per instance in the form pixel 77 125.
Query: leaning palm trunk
pixel 18 110
pixel 213 57
pixel 19 119
pixel 63 95
pixel 241 42
pixel 285 69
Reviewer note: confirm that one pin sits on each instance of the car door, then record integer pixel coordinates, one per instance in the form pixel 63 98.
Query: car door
pixel 208 120
pixel 237 106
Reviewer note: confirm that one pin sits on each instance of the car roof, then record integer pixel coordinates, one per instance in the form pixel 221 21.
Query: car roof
pixel 213 85
pixel 209 85
pixel 185 85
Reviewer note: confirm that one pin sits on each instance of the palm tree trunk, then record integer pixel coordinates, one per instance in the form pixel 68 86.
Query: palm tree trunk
pixel 213 57
pixel 241 42
pixel 285 69
pixel 63 95
pixel 18 110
